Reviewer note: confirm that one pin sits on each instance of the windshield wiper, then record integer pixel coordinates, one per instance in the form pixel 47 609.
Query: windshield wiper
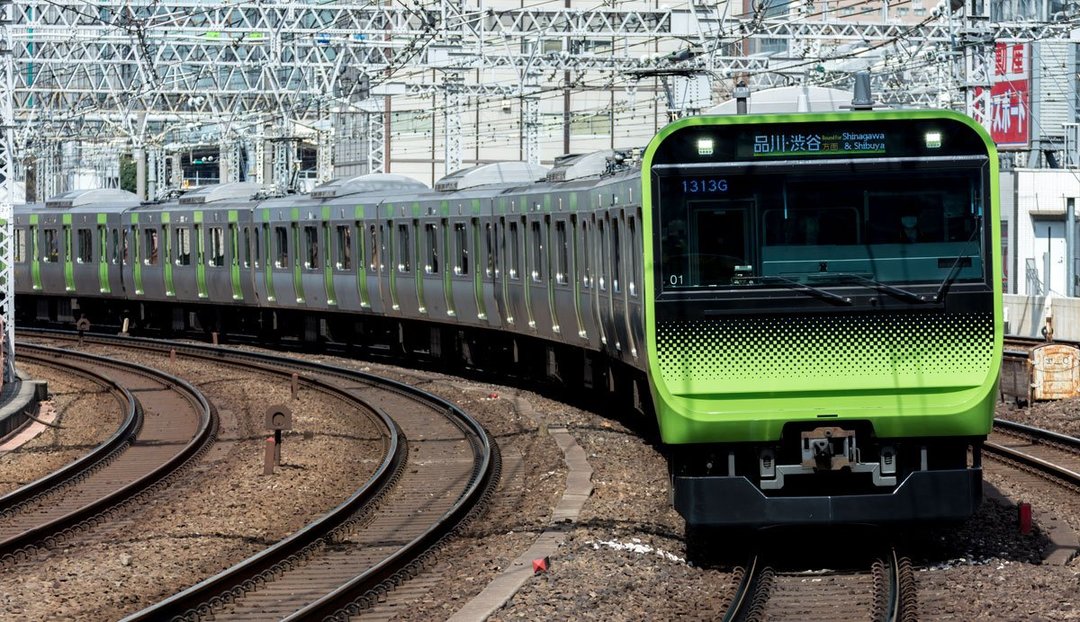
pixel 793 284
pixel 954 272
pixel 900 293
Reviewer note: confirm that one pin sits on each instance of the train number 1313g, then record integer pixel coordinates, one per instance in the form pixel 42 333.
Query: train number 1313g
pixel 704 184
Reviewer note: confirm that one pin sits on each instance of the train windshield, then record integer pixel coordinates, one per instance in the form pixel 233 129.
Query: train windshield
pixel 893 225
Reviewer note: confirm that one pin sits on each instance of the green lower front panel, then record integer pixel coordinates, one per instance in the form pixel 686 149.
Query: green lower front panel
pixel 761 418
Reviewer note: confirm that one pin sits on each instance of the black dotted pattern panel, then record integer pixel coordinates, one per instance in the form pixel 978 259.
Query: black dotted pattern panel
pixel 825 347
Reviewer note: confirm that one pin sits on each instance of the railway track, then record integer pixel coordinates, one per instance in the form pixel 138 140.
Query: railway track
pixel 438 468
pixel 880 588
pixel 1053 456
pixel 167 424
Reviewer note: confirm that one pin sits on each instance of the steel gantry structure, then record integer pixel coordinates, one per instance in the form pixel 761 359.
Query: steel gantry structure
pixel 146 70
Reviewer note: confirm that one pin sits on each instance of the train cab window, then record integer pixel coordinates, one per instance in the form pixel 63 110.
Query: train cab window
pixel 311 248
pixel 182 246
pixel 431 248
pixel 217 247
pixel 150 247
pixel 84 250
pixel 717 242
pixel 343 246
pixel 404 263
pixel 20 245
pixel 281 247
pixel 461 249
pixel 537 268
pixel 562 254
pixel 515 251
pixel 616 257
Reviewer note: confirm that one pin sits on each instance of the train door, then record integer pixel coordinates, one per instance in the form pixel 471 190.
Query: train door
pixel 560 286
pixel 518 283
pixel 280 266
pixel 432 277
pixel 622 283
pixel 537 245
pixel 485 275
pixel 376 252
pixel 602 296
pixel 153 276
pixel 86 264
pixel 391 271
pixel 579 266
pixel 502 272
pixel 218 280
pixel 635 261
pixel 310 277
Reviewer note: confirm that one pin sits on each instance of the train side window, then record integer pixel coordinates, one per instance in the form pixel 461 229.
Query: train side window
pixel 116 247
pixel 281 246
pixel 404 249
pixel 586 254
pixel 311 247
pixel 562 254
pixel 183 246
pixel 343 239
pixel 537 271
pixel 601 245
pixel 247 247
pixel 217 247
pixel 635 254
pixel 515 251
pixel 150 247
pixel 616 257
pixel 492 269
pixel 103 244
pixel 256 261
pixel 234 244
pixel 461 248
pixel 84 246
pixel 374 246
pixel 20 245
pixel 431 248
pixel 124 245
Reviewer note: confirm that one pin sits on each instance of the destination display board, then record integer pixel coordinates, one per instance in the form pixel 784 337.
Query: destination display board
pixel 762 142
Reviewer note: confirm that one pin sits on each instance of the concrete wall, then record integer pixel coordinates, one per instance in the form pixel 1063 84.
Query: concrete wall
pixel 1025 316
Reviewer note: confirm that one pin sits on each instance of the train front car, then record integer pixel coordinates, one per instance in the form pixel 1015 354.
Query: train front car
pixel 824 314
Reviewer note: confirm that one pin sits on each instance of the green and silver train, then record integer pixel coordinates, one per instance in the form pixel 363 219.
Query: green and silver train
pixel 824 314
pixel 809 305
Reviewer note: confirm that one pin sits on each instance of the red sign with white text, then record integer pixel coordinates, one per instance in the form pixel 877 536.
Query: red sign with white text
pixel 1010 96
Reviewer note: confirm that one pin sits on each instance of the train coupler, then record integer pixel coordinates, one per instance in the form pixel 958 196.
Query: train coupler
pixel 827 449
